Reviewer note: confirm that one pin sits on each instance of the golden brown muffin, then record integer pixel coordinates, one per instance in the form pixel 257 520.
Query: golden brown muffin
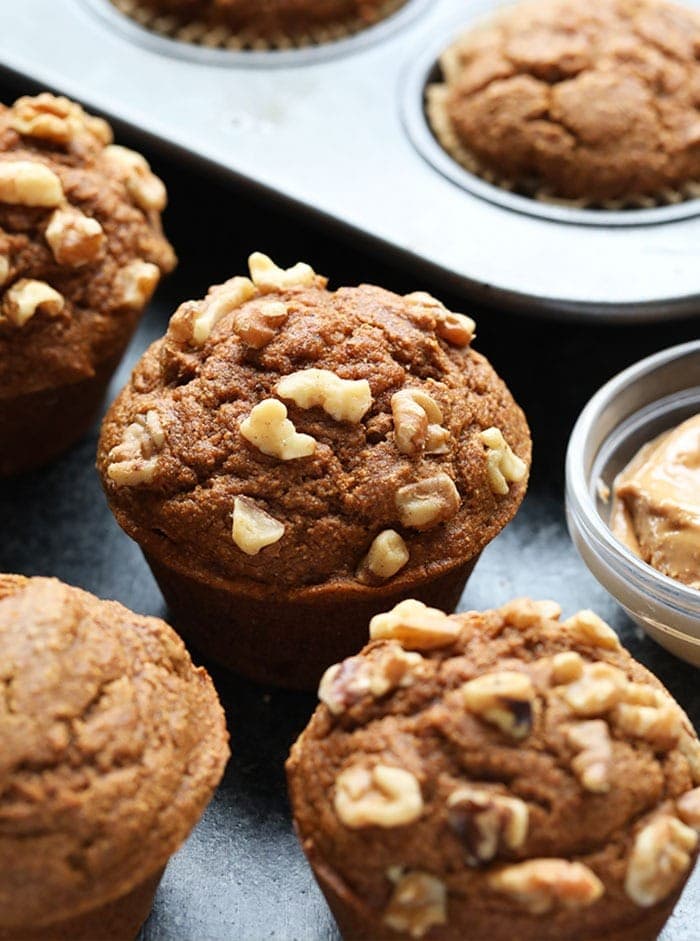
pixel 293 459
pixel 568 99
pixel 112 746
pixel 497 775
pixel 81 251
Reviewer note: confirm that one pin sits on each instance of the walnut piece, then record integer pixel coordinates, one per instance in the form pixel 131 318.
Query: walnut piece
pixel 4 269
pixel 253 528
pixel 504 699
pixel 660 857
pixel 689 747
pixel 55 119
pixel 457 329
pixel 600 687
pixel 381 796
pixel 193 323
pixel 417 423
pixel 387 555
pixel 258 323
pixel 419 901
pixel 415 626
pixel 346 683
pixel 591 765
pixel 487 821
pixel 135 283
pixel 268 428
pixel 28 183
pixel 268 277
pixel 524 612
pixel 566 667
pixel 587 628
pixel 74 238
pixel 135 460
pixel 659 725
pixel 428 502
pixel 25 297
pixel 144 187
pixel 540 884
pixel 342 399
pixel 689 808
pixel 503 466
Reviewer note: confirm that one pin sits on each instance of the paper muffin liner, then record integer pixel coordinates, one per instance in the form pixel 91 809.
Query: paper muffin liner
pixel 201 33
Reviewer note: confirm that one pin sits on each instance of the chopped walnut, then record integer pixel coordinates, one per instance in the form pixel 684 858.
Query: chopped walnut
pixel 642 694
pixel 659 725
pixel 253 528
pixel 591 765
pixel 566 667
pixel 387 555
pixel 587 628
pixel 55 119
pixel 417 423
pixel 428 502
pixel 661 855
pixel 258 323
pixel 194 323
pixel 415 626
pixel 689 747
pixel 26 296
pixel 144 187
pixel 135 283
pixel 524 612
pixel 268 277
pixel 4 269
pixel 457 329
pixel 344 684
pixel 74 238
pixel 600 687
pixel 504 699
pixel 29 183
pixel 342 399
pixel 503 466
pixel 381 796
pixel 268 428
pixel 540 884
pixel 689 808
pixel 135 460
pixel 419 901
pixel 486 821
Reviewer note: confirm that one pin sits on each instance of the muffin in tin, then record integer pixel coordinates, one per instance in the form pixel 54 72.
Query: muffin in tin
pixel 497 775
pixel 591 103
pixel 292 460
pixel 112 746
pixel 81 250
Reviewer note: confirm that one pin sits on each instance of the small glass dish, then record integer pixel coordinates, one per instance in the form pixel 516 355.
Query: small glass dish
pixel 651 397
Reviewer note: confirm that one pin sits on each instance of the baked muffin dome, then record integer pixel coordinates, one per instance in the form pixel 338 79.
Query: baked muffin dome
pixel 493 775
pixel 591 102
pixel 81 251
pixel 112 746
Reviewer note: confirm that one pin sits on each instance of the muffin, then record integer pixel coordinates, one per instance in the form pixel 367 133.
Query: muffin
pixel 250 24
pixel 112 746
pixel 292 460
pixel 496 775
pixel 81 251
pixel 595 103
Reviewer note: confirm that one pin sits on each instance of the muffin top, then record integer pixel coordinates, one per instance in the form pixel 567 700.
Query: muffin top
pixel 496 769
pixel 290 436
pixel 81 246
pixel 565 98
pixel 112 745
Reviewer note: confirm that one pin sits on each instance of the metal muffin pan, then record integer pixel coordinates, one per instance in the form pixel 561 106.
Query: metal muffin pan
pixel 338 131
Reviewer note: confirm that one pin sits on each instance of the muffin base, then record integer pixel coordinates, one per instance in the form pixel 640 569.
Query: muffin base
pixel 287 640
pixel 118 920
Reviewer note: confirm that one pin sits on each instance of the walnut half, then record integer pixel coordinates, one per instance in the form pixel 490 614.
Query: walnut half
pixel 540 884
pixel 135 460
pixel 346 683
pixel 428 502
pixel 382 796
pixel 504 699
pixel 660 857
pixel 415 626
pixel 418 902
pixel 485 821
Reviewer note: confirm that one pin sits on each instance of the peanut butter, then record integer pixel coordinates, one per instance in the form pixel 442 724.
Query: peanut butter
pixel 656 503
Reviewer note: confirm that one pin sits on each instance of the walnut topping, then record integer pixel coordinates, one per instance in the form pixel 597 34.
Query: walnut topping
pixel 253 528
pixel 268 277
pixel 26 297
pixel 485 821
pixel 4 269
pixel 504 699
pixel 344 684
pixel 592 763
pixel 144 187
pixel 135 460
pixel 524 612
pixel 540 884
pixel 587 628
pixel 659 725
pixel 75 239
pixel 342 399
pixel 27 183
pixel 193 323
pixel 135 283
pixel 387 555
pixel 457 329
pixel 689 809
pixel 258 323
pixel 381 796
pixel 566 667
pixel 428 502
pixel 56 119
pixel 419 901
pixel 660 857
pixel 415 626
pixel 503 466
pixel 417 423
pixel 269 429
pixel 689 747
pixel 600 687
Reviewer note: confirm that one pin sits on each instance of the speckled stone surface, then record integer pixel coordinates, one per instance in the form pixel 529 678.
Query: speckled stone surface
pixel 242 875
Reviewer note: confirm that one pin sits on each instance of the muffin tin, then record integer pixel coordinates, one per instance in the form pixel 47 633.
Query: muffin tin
pixel 338 131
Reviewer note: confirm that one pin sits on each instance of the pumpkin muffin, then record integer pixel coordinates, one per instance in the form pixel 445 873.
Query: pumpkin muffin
pixel 292 460
pixel 81 251
pixel 497 775
pixel 112 746
pixel 596 103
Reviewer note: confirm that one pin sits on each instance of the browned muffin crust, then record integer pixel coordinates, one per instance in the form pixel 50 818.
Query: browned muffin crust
pixel 112 745
pixel 175 485
pixel 541 784
pixel 569 99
